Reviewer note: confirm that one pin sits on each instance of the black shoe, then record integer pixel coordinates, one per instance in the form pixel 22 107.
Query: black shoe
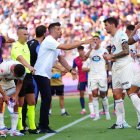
pixel 42 131
pixel 23 131
pixel 49 130
pixel 115 126
pixel 34 131
pixel 65 114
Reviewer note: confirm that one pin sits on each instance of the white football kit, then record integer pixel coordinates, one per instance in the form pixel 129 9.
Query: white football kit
pixel 136 79
pixel 7 78
pixel 97 76
pixel 122 72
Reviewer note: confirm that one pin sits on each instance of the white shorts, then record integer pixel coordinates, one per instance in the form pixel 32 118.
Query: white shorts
pixel 122 78
pixel 9 87
pixel 136 78
pixel 97 83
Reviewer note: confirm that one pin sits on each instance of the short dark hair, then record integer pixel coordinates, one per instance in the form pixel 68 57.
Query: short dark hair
pixel 97 36
pixel 19 70
pixel 22 27
pixel 40 30
pixel 112 20
pixel 80 48
pixel 52 25
pixel 130 27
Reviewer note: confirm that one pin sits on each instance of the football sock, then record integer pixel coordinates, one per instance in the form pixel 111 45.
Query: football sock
pixel 31 116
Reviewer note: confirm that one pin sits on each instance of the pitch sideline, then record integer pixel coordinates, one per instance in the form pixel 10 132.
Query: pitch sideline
pixel 66 126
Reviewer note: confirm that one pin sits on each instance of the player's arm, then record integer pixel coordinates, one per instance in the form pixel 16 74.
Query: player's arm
pixel 124 52
pixel 5 97
pixel 88 53
pixel 18 87
pixel 85 66
pixel 134 37
pixel 25 63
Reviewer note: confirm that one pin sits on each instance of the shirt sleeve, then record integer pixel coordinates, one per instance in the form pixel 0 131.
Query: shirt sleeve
pixel 136 37
pixel 123 37
pixel 50 43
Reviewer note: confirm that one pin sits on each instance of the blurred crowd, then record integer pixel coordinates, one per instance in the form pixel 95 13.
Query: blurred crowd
pixel 79 18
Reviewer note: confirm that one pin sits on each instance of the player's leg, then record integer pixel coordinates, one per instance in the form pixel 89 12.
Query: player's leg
pixel 81 88
pixel 90 104
pixel 14 120
pixel 30 98
pixel 53 92
pixel 96 103
pixel 60 94
pixel 2 124
pixel 103 92
pixel 117 95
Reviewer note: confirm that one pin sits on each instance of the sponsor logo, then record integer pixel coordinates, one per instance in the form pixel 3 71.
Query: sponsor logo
pixel 96 58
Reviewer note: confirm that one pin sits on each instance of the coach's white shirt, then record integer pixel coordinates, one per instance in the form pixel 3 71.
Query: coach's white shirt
pixel 116 43
pixel 47 56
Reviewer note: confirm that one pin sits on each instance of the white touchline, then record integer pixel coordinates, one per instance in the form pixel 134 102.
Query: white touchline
pixel 66 126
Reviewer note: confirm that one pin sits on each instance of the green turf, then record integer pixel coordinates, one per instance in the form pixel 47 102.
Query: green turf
pixel 87 129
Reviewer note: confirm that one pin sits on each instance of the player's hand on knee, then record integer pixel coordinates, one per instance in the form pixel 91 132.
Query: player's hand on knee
pixel 6 99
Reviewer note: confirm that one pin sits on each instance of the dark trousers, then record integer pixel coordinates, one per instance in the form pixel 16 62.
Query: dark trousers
pixel 43 84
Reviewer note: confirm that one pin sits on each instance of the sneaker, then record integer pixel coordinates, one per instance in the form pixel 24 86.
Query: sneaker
pixel 16 133
pixel 2 134
pixel 102 113
pixel 65 114
pixel 11 104
pixel 4 129
pixel 83 112
pixel 138 126
pixel 92 115
pixel 107 116
pixel 115 126
pixel 35 131
pixel 126 125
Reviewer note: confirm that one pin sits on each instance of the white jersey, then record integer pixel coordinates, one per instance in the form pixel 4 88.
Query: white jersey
pixel 116 43
pixel 6 76
pixel 47 56
pixel 97 62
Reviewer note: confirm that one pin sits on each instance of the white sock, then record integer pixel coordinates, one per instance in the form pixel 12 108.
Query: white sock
pixel 14 121
pixel 91 108
pixel 136 102
pixel 63 110
pixel 2 125
pixel 83 109
pixel 96 106
pixel 105 104
pixel 119 111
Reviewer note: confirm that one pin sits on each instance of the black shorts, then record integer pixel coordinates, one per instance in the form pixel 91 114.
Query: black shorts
pixel 28 86
pixel 57 90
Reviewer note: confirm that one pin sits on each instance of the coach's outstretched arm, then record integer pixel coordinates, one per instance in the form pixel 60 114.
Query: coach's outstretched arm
pixel 75 44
